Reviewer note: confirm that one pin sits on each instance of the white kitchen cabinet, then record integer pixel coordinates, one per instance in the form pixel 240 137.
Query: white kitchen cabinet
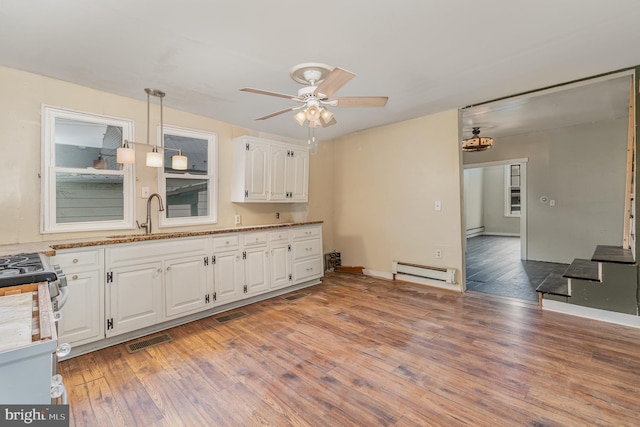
pixel 149 282
pixel 134 297
pixel 279 259
pixel 256 263
pixel 228 269
pixel 307 254
pixel 187 285
pixel 269 171
pixel 297 170
pixel 82 319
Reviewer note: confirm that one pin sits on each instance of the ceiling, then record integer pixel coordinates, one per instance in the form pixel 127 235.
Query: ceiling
pixel 427 56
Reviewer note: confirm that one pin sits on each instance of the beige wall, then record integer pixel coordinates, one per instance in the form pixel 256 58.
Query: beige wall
pixel 386 183
pixel 20 145
pixel 374 190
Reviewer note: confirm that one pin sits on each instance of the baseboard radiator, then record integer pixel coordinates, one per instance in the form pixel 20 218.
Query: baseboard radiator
pixel 447 275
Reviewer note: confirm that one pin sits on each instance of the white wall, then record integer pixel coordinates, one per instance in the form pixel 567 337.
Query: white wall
pixel 386 181
pixel 20 146
pixel 473 199
pixel 493 204
pixel 583 169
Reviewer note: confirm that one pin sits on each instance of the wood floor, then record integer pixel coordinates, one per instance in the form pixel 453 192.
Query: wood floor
pixel 494 266
pixel 358 351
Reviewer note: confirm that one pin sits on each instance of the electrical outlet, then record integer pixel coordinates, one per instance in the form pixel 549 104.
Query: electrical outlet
pixel 277 215
pixel 438 253
pixel 238 220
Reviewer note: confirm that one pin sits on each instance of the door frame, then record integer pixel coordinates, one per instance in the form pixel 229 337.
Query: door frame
pixel 523 196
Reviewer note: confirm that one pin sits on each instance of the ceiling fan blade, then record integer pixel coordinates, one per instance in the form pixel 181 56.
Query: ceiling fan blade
pixel 362 101
pixel 334 81
pixel 277 113
pixel 266 92
pixel 329 123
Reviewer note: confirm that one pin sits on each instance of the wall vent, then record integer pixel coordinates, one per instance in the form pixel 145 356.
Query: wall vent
pixel 295 296
pixel 228 317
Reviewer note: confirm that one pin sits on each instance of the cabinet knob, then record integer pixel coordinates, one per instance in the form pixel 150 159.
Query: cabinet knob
pixel 74 277
pixel 75 260
pixel 168 268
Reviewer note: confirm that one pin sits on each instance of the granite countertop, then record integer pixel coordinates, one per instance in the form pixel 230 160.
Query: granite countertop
pixel 49 247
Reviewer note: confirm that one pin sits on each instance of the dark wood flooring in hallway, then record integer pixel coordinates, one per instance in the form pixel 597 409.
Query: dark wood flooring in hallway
pixel 494 266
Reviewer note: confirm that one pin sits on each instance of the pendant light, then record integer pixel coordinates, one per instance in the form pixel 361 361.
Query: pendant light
pixel 155 158
pixel 477 143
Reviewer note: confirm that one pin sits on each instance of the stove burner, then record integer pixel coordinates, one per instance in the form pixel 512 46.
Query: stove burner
pixel 23 269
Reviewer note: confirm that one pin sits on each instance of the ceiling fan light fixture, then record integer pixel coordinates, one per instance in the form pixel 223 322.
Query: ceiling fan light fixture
pixel 313 113
pixel 300 117
pixel 326 115
pixel 477 142
pixel 315 123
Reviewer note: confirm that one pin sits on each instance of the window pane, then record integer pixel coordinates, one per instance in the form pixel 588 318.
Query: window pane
pixel 89 197
pixel 195 149
pixel 80 144
pixel 187 197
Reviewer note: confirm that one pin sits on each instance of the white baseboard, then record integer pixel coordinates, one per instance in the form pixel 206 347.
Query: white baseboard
pixel 591 313
pixel 496 233
pixel 378 274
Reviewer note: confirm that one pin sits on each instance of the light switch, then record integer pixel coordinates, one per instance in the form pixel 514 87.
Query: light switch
pixel 145 192
pixel 552 202
pixel 438 205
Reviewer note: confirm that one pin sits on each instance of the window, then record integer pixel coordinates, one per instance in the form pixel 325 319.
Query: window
pixel 190 195
pixel 83 187
pixel 512 190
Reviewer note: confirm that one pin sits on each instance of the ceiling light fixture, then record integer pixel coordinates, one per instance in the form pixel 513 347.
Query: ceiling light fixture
pixel 477 142
pixel 155 159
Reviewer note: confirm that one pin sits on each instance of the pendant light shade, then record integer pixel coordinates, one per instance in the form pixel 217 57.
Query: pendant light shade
pixel 125 154
pixel 179 162
pixel 155 159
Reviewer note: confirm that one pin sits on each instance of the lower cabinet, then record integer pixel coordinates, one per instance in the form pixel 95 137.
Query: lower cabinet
pixel 82 317
pixel 130 286
pixel 187 285
pixel 134 297
pixel 228 278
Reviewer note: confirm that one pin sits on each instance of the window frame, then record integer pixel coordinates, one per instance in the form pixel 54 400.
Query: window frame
pixel 211 176
pixel 48 222
pixel 508 188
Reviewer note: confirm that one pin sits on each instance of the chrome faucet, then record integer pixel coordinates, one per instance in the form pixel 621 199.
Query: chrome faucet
pixel 147 225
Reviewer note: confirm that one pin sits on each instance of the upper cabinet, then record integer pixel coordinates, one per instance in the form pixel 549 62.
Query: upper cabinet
pixel 269 171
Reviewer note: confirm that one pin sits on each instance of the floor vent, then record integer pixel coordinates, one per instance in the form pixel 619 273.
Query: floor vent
pixel 295 296
pixel 228 317
pixel 147 342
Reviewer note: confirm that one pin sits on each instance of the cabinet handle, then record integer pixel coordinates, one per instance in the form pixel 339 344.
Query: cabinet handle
pixel 74 277
pixel 75 260
pixel 168 268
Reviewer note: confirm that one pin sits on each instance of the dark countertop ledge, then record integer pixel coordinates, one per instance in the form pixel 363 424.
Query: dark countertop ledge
pixel 49 248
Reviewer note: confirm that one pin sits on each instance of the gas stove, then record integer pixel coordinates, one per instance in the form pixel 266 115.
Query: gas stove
pixel 22 269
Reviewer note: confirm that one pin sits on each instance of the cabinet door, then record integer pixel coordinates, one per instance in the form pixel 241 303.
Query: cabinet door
pixel 257 171
pixel 280 265
pixel 134 297
pixel 278 189
pixel 82 318
pixel 298 175
pixel 186 285
pixel 256 277
pixel 228 277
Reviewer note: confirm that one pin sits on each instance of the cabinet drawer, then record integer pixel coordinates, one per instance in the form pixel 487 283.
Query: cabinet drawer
pixel 73 260
pixel 254 239
pixel 278 236
pixel 306 249
pixel 226 242
pixel 306 233
pixel 307 269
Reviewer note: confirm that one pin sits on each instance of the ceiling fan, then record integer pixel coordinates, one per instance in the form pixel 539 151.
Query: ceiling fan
pixel 321 82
